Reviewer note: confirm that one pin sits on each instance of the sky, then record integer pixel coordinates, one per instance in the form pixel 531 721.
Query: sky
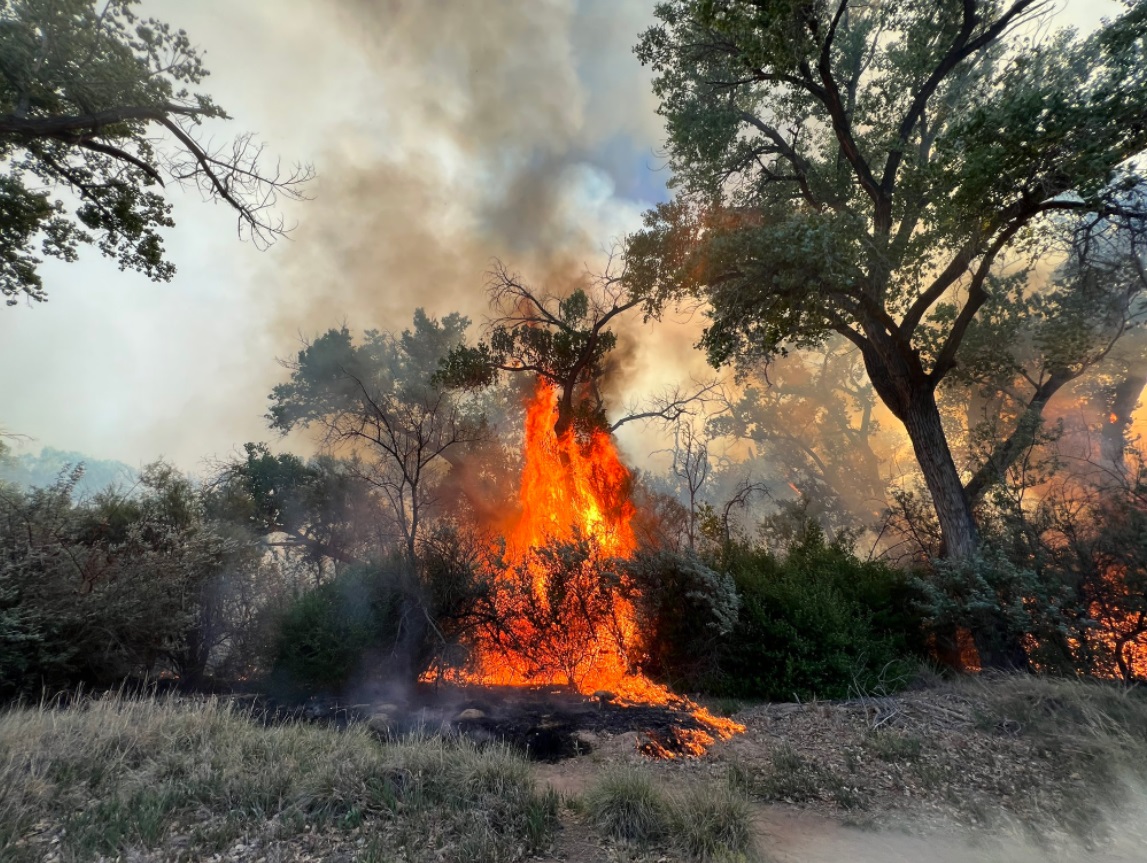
pixel 444 134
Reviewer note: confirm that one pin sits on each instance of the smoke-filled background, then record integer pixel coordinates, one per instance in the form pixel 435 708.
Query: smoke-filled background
pixel 444 134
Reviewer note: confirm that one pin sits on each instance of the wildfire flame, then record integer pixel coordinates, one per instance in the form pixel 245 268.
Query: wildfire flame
pixel 575 489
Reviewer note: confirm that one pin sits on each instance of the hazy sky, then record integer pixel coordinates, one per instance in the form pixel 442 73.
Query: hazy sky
pixel 444 133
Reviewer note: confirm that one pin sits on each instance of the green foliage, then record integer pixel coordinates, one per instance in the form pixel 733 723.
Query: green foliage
pixel 863 170
pixel 379 402
pixel 455 569
pixel 999 601
pixel 84 88
pixel 368 619
pixel 323 505
pixel 121 585
pixel 332 375
pixel 685 609
pixel 561 340
pixel 815 623
pixel 551 351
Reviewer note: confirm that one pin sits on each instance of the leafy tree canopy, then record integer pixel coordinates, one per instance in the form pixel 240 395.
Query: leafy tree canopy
pixel 85 87
pixel 564 340
pixel 380 402
pixel 332 374
pixel 866 169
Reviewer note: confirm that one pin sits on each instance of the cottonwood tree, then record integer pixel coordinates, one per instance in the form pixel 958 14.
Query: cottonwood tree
pixel 377 400
pixel 1026 346
pixel 565 340
pixel 319 510
pixel 865 169
pixel 96 102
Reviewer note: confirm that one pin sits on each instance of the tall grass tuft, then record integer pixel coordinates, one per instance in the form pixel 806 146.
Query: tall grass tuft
pixel 704 822
pixel 627 805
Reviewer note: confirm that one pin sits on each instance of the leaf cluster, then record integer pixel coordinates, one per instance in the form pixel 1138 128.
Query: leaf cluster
pixel 82 86
pixel 841 167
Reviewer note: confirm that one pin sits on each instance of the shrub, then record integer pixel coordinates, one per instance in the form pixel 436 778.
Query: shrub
pixel 686 608
pixel 557 630
pixel 118 586
pixel 814 623
pixel 368 617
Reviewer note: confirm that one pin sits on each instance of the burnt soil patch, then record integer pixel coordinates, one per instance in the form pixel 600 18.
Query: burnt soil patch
pixel 544 723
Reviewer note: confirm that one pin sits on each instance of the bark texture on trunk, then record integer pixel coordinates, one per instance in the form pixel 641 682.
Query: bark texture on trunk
pixel 921 420
pixel 899 379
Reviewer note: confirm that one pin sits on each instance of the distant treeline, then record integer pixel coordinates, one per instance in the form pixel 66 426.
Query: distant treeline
pixel 43 469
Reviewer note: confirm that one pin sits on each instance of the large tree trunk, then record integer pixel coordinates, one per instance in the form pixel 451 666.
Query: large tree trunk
pixel 921 418
pixel 902 384
pixel 998 646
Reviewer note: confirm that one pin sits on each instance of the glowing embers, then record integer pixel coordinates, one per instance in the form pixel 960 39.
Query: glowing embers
pixel 1118 643
pixel 563 610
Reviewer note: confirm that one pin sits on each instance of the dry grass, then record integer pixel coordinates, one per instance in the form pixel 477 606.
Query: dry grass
pixel 179 780
pixel 705 821
pixel 1092 734
pixel 1057 760
pixel 625 804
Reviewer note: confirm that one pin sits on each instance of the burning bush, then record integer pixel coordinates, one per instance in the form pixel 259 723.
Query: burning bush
pixel 556 612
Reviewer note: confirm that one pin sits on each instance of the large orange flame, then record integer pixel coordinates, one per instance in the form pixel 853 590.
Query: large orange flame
pixel 574 490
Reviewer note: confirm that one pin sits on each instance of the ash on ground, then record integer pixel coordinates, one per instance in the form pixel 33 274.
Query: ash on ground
pixel 545 723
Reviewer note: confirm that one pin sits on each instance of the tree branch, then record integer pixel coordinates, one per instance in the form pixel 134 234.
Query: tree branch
pixel 82 126
pixel 959 51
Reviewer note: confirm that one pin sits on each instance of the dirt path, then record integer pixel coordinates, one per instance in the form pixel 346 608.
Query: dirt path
pixel 787 836
pixel 795 834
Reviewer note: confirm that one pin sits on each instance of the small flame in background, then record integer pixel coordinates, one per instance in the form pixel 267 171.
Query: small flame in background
pixel 1118 632
pixel 573 489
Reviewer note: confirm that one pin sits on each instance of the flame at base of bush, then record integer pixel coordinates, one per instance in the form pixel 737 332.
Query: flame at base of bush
pixel 562 611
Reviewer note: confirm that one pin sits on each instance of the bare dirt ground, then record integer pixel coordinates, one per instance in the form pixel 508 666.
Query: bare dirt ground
pixel 931 776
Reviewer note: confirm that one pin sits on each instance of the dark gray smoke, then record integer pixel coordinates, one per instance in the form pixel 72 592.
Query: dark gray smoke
pixel 516 129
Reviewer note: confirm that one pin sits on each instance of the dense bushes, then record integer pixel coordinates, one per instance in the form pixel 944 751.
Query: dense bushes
pixel 813 622
pixel 124 585
pixel 368 620
pixel 685 609
pixel 177 579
